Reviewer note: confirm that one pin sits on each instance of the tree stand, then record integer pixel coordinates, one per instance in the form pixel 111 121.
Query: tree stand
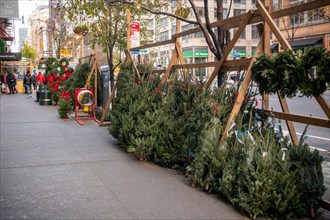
pixel 84 98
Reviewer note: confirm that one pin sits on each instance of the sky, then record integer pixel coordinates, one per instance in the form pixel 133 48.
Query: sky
pixel 27 6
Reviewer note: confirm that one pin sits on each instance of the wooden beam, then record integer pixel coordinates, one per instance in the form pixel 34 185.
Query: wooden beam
pixel 321 122
pixel 90 75
pixel 234 22
pixel 267 51
pixel 289 124
pixel 285 44
pixel 179 51
pixel 269 20
pixel 230 46
pixel 159 71
pixel 325 204
pixel 107 106
pixel 229 64
pixel 171 41
pixel 324 105
pixel 129 59
pixel 242 92
pixel 174 59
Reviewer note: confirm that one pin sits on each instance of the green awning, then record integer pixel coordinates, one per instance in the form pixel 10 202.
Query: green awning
pixel 198 53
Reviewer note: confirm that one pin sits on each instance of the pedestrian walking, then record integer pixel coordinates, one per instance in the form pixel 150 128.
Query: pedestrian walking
pixel 11 82
pixel 34 81
pixel 27 82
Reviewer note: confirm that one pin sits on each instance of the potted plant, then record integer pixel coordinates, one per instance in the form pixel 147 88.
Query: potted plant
pixel 81 29
pixel 65 106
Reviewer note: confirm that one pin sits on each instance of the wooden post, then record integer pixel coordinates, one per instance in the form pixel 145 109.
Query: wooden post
pixel 177 41
pixel 266 16
pixel 95 73
pixel 31 67
pixel 72 51
pixel 230 46
pixel 107 106
pixel 66 47
pixel 266 32
pixel 324 105
pixel 174 60
pixel 81 47
pixel 241 95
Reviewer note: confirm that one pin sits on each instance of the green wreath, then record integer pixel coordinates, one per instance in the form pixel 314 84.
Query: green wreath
pixel 314 65
pixel 64 61
pixel 288 73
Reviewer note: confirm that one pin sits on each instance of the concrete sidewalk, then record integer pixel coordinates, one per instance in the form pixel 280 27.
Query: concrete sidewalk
pixel 56 169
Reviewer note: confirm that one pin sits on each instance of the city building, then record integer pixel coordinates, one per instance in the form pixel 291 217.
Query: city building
pixel 305 29
pixel 38 34
pixel 194 47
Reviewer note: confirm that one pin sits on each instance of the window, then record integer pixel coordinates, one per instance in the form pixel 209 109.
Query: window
pixel 254 32
pixel 163 36
pixel 201 12
pixel 163 23
pixel 239 11
pixel 297 19
pixel 239 1
pixel 224 13
pixel 243 34
pixel 315 15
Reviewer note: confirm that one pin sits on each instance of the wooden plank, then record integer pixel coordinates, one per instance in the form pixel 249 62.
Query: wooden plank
pixel 129 59
pixel 321 122
pixel 230 46
pixel 179 51
pixel 171 41
pixel 266 31
pixel 230 64
pixel 107 106
pixel 174 59
pixel 325 204
pixel 234 22
pixel 136 70
pixel 289 124
pixel 159 71
pixel 242 92
pixel 89 76
pixel 324 105
pixel 269 20
pixel 285 44
pixel 85 57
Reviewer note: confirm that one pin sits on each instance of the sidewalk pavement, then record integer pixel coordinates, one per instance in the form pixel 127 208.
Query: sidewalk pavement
pixel 53 168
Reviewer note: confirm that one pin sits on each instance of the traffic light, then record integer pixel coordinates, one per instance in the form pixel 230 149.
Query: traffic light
pixel 41 44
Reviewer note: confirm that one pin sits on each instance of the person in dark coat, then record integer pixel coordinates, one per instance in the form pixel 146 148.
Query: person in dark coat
pixel 11 82
pixel 27 82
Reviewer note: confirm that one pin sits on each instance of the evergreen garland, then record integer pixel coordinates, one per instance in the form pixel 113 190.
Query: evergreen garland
pixel 307 72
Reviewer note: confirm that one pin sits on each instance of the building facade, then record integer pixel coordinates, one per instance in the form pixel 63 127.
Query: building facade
pixel 38 34
pixel 194 47
pixel 305 29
